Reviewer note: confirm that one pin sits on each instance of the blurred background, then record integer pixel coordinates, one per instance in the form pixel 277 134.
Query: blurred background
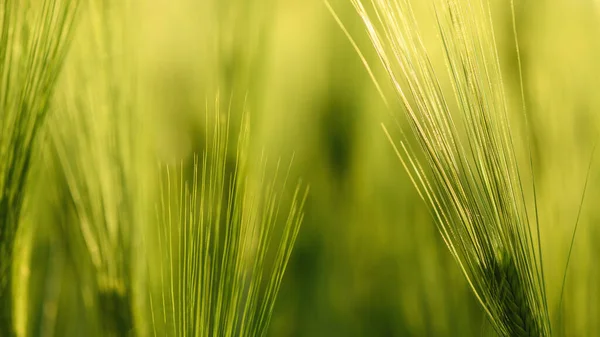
pixel 368 260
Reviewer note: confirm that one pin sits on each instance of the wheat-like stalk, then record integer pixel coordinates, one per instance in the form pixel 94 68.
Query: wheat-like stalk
pixel 225 236
pixel 34 39
pixel 99 140
pixel 464 163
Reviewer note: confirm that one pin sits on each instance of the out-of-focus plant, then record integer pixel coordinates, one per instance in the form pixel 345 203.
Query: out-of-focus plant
pixel 34 39
pixel 100 141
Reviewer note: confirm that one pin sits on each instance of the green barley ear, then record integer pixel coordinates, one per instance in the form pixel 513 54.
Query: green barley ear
pixel 99 140
pixel 34 38
pixel 225 235
pixel 464 163
pixel 514 312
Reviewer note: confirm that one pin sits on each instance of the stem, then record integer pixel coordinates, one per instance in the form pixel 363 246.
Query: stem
pixel 7 238
pixel 6 326
pixel 116 313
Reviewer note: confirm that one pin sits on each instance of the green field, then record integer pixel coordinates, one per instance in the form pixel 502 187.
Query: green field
pixel 299 168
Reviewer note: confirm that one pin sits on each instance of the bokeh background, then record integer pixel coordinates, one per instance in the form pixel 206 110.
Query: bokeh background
pixel 368 261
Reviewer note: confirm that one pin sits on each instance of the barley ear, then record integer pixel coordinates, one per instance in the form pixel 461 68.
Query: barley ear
pixel 34 38
pixel 225 232
pixel 460 153
pixel 104 170
pixel 515 311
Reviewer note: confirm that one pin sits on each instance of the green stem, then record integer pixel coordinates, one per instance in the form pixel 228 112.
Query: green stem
pixel 116 314
pixel 7 238
pixel 6 321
